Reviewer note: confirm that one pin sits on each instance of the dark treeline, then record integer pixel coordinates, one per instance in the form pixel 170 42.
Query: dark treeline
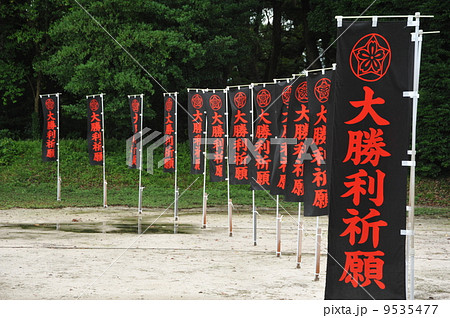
pixel 52 46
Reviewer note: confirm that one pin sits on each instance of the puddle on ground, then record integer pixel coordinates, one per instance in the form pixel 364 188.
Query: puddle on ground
pixel 116 228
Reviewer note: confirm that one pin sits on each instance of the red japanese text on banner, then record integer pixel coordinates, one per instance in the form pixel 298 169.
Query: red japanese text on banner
pixel 136 112
pixel 368 181
pixel 196 127
pixel 50 137
pixel 95 130
pixel 169 133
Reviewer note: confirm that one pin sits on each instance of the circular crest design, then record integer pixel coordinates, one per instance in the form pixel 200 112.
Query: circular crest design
pixel 197 101
pixel 322 89
pixel 135 105
pixel 370 58
pixel 263 98
pixel 240 99
pixel 93 105
pixel 301 93
pixel 169 104
pixel 50 104
pixel 215 102
pixel 286 95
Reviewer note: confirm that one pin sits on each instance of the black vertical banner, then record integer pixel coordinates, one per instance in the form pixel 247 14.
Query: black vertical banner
pixel 94 130
pixel 196 127
pixel 215 111
pixel 136 111
pixel 51 128
pixel 278 176
pixel 316 174
pixel 368 182
pixel 239 101
pixel 297 127
pixel 169 133
pixel 266 110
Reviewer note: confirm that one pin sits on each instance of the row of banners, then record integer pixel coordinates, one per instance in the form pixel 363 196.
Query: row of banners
pixel 334 140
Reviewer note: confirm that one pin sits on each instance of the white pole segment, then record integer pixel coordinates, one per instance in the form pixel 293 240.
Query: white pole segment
pixel 417 38
pixel 317 252
pixel 254 213
pixel 278 227
pixel 105 201
pixel 229 204
pixel 299 236
pixel 175 206
pixel 140 156
pixel 58 177
pixel 205 195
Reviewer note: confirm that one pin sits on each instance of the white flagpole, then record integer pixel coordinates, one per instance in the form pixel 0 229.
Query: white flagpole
pixel 417 38
pixel 229 204
pixel 299 236
pixel 140 155
pixel 105 204
pixel 317 252
pixel 254 213
pixel 175 206
pixel 278 227
pixel 205 195
pixel 58 177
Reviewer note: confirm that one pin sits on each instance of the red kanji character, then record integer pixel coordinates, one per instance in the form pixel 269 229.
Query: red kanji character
pixel 50 143
pixel 197 128
pixel 320 177
pixel 320 198
pixel 240 144
pixel 321 115
pixel 219 171
pixel 216 119
pixel 367 109
pixel 169 164
pixel 241 173
pixel 97 146
pixel 169 129
pixel 96 136
pixel 197 116
pixel 263 131
pixel 218 150
pixel 262 162
pixel 263 177
pixel 51 125
pixel 50 153
pixel 217 131
pixel 320 135
pixel 283 133
pixel 168 140
pixel 298 169
pixel 240 158
pixel 357 270
pixel 263 146
pixel 298 188
pixel 319 155
pixel 240 117
pixel 168 121
pixel 96 126
pixel 282 167
pixel 353 229
pixel 98 156
pixel 283 153
pixel 168 153
pixel 299 150
pixel 303 113
pixel 262 118
pixel 135 118
pixel 369 144
pixel 301 131
pixel 240 130
pixel 50 116
pixel 51 134
pixel 94 117
pixel 282 182
pixel 356 187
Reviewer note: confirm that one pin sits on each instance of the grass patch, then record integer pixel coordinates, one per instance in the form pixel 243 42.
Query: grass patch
pixel 27 182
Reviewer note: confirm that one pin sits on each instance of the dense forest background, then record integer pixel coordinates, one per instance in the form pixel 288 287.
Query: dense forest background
pixel 50 46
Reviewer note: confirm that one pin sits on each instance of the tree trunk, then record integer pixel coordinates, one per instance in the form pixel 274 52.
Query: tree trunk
pixel 271 70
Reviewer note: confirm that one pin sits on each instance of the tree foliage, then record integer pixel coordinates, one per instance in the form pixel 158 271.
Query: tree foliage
pixel 55 46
